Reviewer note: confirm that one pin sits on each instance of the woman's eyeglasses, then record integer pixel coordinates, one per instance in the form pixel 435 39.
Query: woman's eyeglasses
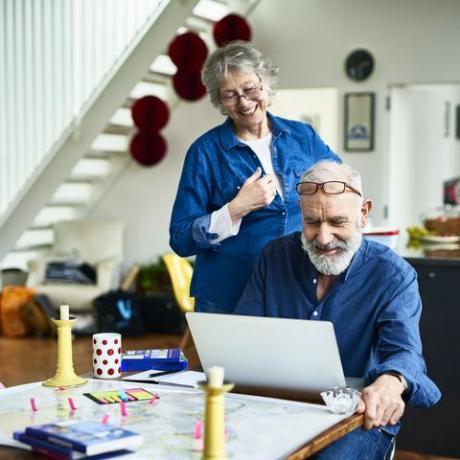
pixel 230 98
pixel 332 187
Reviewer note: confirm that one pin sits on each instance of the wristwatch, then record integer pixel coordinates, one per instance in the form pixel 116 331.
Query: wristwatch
pixel 401 378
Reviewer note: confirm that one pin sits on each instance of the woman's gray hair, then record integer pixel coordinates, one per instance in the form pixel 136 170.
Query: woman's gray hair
pixel 326 170
pixel 240 56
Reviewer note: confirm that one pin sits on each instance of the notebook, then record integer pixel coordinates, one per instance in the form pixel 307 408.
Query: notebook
pixel 290 354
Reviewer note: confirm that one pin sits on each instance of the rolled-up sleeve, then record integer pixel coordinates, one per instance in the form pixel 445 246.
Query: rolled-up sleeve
pixel 399 347
pixel 191 215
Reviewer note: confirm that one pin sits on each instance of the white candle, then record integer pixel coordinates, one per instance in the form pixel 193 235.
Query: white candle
pixel 215 376
pixel 64 312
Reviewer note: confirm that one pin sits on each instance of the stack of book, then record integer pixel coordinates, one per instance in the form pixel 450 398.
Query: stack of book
pixel 169 359
pixel 79 439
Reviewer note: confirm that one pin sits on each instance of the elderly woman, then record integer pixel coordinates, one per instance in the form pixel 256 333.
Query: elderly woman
pixel 237 191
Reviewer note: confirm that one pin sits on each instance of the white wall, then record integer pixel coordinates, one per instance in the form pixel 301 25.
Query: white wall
pixel 411 40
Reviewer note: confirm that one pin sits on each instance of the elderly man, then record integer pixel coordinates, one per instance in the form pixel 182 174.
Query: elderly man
pixel 370 294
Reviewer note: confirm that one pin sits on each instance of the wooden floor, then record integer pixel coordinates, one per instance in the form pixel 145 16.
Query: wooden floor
pixel 34 359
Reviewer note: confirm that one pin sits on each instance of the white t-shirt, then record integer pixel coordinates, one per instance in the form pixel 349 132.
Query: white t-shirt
pixel 221 222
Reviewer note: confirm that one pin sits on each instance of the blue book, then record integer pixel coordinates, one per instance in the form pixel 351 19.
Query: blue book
pixel 58 452
pixel 169 359
pixel 89 437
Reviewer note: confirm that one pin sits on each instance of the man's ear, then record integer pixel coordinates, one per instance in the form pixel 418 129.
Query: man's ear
pixel 365 210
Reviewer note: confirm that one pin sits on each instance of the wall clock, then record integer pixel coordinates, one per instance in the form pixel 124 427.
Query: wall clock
pixel 359 65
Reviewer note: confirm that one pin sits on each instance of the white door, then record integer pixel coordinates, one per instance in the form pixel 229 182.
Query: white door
pixel 423 150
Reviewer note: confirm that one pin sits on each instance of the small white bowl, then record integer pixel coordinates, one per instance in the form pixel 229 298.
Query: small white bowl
pixel 341 400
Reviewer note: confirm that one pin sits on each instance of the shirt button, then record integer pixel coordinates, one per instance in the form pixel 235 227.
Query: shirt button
pixel 283 213
pixel 315 281
pixel 315 313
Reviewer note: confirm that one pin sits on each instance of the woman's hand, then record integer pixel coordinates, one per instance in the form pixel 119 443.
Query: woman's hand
pixel 256 192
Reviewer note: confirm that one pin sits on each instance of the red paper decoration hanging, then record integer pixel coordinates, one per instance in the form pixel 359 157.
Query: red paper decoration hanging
pixel 150 114
pixel 231 27
pixel 188 51
pixel 147 148
pixel 188 85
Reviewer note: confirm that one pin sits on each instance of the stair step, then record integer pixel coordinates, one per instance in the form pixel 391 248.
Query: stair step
pixel 211 10
pixel 19 259
pixel 104 154
pixel 111 143
pixel 152 77
pixel 32 238
pixel 33 247
pixel 122 117
pixel 76 193
pixel 119 129
pixel 89 170
pixel 51 214
pixel 163 65
pixel 145 88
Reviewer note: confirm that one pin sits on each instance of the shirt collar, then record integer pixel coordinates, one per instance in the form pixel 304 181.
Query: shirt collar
pixel 356 261
pixel 229 139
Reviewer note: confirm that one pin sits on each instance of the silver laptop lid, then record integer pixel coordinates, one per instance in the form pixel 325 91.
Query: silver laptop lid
pixel 283 353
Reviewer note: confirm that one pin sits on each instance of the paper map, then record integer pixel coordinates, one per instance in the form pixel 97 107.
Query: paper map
pixel 258 428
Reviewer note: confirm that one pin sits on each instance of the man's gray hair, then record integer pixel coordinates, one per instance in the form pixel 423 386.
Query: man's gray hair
pixel 240 56
pixel 326 170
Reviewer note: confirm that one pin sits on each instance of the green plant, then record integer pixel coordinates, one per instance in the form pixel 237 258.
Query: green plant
pixel 153 277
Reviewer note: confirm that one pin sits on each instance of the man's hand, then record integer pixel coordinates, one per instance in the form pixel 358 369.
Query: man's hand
pixel 256 192
pixel 381 402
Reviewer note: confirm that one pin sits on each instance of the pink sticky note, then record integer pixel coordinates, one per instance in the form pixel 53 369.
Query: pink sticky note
pixel 72 404
pixel 153 400
pixel 198 434
pixel 106 418
pixel 123 410
pixel 33 404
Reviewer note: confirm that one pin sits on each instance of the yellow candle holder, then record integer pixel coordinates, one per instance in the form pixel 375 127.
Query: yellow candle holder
pixel 214 424
pixel 65 375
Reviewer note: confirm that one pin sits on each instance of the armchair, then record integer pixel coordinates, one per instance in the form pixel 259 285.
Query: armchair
pixel 98 243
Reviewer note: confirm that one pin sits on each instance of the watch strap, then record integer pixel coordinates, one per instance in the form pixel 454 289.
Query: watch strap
pixel 401 378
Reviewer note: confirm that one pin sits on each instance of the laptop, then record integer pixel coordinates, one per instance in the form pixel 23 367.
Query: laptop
pixel 299 356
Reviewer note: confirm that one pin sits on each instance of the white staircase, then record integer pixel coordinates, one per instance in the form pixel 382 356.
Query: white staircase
pixel 94 152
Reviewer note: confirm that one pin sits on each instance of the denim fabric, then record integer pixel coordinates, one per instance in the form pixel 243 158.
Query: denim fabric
pixel 359 445
pixel 374 305
pixel 215 168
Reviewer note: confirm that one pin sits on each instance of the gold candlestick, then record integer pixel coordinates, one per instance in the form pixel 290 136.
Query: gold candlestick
pixel 65 375
pixel 214 425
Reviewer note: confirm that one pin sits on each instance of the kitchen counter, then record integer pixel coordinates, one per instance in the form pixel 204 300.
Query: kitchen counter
pixel 429 254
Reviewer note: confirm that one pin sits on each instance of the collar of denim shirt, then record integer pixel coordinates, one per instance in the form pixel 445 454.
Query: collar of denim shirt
pixel 230 140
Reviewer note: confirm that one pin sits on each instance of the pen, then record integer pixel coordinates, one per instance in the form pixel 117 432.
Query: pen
pixel 172 384
pixel 158 374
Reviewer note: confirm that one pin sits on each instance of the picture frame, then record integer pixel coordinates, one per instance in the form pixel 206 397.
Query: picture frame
pixel 359 122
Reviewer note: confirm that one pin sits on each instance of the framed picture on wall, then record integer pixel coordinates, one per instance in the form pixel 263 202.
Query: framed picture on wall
pixel 359 122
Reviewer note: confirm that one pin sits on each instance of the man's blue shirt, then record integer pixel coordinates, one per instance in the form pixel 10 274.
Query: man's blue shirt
pixel 374 305
pixel 216 167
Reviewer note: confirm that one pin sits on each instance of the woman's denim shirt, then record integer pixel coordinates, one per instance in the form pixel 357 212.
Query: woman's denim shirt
pixel 215 168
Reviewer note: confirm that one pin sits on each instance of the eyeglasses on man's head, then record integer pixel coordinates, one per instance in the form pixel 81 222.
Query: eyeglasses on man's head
pixel 332 187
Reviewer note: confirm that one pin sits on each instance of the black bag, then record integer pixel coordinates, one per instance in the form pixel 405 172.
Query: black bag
pixel 119 311
pixel 161 313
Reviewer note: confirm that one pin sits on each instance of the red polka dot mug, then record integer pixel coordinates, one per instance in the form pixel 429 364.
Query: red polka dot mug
pixel 107 355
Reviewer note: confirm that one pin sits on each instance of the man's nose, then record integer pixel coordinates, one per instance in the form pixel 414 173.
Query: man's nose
pixel 325 235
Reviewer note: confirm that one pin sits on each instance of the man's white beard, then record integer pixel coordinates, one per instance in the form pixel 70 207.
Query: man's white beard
pixel 334 264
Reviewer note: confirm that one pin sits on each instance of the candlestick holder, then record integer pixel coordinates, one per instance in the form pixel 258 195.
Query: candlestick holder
pixel 214 425
pixel 65 375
